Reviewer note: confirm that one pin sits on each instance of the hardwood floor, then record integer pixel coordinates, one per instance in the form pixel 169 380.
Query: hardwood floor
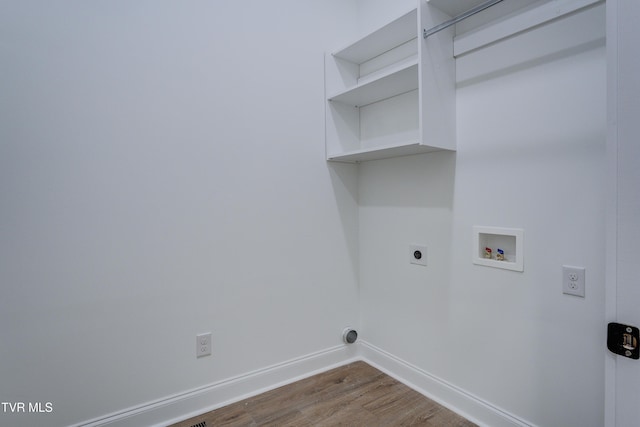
pixel 352 395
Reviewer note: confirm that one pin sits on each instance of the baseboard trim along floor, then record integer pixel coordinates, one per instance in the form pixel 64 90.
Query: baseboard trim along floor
pixel 448 395
pixel 185 405
pixel 178 407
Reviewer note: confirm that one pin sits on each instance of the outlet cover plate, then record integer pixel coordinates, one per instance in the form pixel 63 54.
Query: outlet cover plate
pixel 203 344
pixel 573 282
pixel 418 254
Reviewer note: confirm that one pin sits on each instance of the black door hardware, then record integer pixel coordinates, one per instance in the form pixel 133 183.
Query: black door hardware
pixel 623 340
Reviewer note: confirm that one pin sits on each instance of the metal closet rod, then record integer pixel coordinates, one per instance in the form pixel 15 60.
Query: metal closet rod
pixel 465 15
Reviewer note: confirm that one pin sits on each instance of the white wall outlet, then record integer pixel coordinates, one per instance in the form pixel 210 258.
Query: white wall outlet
pixel 203 344
pixel 418 254
pixel 573 280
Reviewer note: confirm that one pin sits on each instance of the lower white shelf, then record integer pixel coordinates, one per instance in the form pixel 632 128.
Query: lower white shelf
pixel 382 152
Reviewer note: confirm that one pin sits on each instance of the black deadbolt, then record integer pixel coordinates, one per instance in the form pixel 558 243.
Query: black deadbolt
pixel 417 254
pixel 623 340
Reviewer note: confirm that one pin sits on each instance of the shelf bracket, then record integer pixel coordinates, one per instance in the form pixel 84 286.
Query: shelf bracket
pixel 465 15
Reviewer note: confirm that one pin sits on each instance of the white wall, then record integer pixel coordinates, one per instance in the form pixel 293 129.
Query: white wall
pixel 162 174
pixel 531 154
pixel 372 14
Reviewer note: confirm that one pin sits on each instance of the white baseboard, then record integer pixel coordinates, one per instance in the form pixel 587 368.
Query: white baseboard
pixel 173 409
pixel 188 404
pixel 460 401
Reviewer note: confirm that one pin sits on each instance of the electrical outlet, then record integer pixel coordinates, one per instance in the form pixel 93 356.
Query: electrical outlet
pixel 573 282
pixel 418 254
pixel 203 344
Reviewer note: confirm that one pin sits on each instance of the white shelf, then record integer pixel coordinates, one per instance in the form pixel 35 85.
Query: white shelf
pixel 395 81
pixel 455 7
pixel 392 93
pixel 395 33
pixel 381 152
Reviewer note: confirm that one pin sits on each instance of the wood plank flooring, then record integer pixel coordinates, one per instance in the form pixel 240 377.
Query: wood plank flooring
pixel 352 395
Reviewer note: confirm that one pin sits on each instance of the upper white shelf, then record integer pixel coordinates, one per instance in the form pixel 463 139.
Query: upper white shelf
pixel 455 7
pixel 382 40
